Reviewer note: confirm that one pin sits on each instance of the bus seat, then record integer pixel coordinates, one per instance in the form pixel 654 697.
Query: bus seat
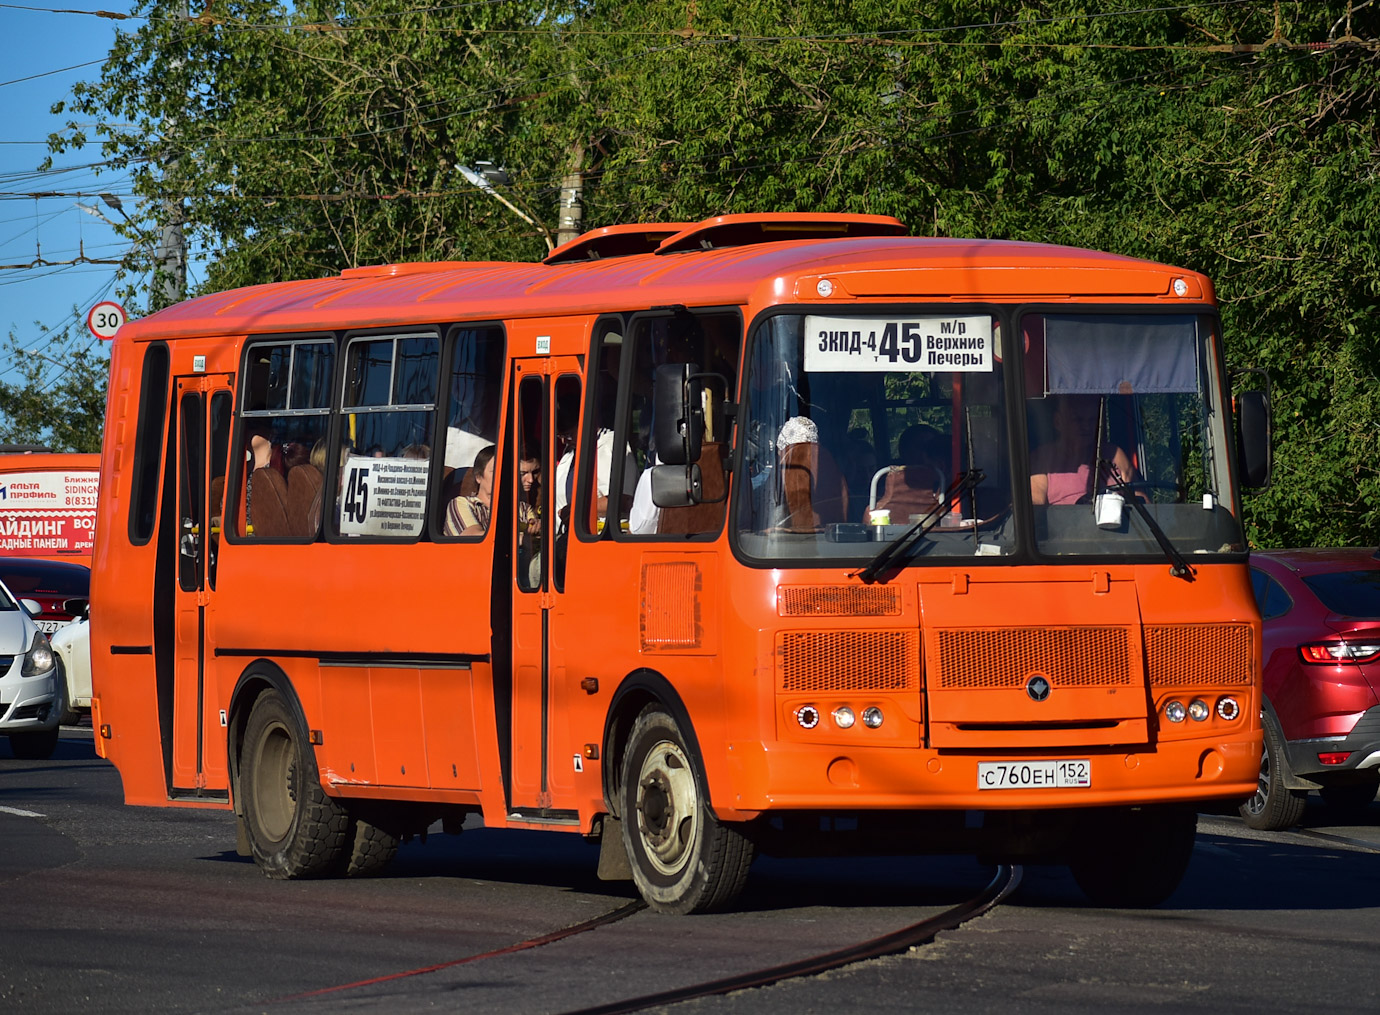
pixel 909 491
pixel 268 499
pixel 707 516
pixel 303 484
pixel 813 491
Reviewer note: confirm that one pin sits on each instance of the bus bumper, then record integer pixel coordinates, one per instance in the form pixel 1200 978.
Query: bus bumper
pixel 774 775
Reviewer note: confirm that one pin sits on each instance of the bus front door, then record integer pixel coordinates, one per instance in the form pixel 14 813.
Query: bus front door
pixel 201 440
pixel 546 412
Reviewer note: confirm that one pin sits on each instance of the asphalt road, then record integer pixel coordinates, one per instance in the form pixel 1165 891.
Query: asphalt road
pixel 107 908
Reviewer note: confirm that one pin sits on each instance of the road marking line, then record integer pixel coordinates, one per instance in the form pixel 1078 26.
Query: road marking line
pixel 20 813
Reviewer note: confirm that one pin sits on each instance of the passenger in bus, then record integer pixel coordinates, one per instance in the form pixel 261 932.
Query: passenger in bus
pixel 265 498
pixel 915 485
pixel 470 514
pixel 811 492
pixel 1064 469
pixel 529 503
pixel 304 483
pixel 417 452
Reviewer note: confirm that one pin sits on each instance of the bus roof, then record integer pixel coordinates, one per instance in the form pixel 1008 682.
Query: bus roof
pixel 785 271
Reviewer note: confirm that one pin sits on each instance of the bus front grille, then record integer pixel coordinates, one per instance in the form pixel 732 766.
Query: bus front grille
pixel 1006 657
pixel 848 660
pixel 1201 655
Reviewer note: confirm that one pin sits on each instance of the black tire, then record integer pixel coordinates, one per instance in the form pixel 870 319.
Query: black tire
pixel 67 715
pixel 1133 859
pixel 683 859
pixel 1350 798
pixel 34 745
pixel 295 830
pixel 1274 807
pixel 371 849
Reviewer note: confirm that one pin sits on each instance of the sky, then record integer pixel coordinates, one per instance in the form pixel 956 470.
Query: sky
pixel 39 43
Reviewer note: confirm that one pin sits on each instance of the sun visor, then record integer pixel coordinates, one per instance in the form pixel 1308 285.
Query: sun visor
pixel 1121 355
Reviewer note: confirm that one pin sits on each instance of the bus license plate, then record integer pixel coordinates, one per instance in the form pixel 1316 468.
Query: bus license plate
pixel 1034 774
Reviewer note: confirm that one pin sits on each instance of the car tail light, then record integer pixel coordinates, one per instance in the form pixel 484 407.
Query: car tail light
pixel 1334 757
pixel 1328 653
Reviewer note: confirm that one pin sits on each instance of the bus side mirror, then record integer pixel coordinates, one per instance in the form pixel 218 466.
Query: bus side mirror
pixel 676 486
pixel 678 414
pixel 1253 439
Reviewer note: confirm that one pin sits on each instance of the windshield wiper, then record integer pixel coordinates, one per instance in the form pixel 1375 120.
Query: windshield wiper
pixel 893 556
pixel 1180 567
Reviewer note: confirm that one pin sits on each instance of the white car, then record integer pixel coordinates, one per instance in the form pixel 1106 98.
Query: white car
pixel 73 647
pixel 32 692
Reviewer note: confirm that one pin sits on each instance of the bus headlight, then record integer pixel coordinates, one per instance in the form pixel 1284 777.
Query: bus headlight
pixel 1175 711
pixel 843 717
pixel 1198 710
pixel 872 717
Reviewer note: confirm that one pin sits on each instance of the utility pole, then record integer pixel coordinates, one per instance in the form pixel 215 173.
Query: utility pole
pixel 170 258
pixel 572 220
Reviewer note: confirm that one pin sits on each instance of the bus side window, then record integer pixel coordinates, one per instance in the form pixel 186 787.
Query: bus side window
pixel 389 409
pixel 474 391
pixel 610 350
pixel 284 411
pixel 712 343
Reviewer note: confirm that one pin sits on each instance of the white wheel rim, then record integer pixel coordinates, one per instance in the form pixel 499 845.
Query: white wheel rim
pixel 273 777
pixel 668 808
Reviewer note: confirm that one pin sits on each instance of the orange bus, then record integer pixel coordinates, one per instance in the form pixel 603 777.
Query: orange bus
pixel 770 533
pixel 47 503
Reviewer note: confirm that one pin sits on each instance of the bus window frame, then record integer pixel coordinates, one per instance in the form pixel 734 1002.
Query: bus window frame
pixel 142 436
pixel 236 474
pixel 659 313
pixel 584 493
pixel 621 422
pixel 1010 359
pixel 336 430
pixel 434 529
pixel 1027 550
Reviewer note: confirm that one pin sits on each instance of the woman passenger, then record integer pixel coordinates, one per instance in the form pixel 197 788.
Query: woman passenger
pixel 470 515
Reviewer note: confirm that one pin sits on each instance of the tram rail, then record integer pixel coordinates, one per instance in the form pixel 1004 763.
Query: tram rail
pixel 1006 879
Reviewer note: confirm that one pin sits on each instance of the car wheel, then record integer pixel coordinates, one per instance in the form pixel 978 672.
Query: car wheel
pixel 1274 806
pixel 37 745
pixel 68 716
pixel 683 859
pixel 1350 798
pixel 295 830
pixel 1133 859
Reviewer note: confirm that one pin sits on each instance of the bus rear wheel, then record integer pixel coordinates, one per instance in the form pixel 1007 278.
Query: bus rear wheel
pixel 295 830
pixel 683 859
pixel 1133 858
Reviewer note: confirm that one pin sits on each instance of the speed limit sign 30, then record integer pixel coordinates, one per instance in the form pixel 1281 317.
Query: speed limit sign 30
pixel 105 319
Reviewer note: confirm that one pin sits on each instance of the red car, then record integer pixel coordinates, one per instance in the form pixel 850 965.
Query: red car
pixel 1322 681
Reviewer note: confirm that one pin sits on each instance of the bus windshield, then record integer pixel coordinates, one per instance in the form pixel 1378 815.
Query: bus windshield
pixel 1124 421
pixel 857 427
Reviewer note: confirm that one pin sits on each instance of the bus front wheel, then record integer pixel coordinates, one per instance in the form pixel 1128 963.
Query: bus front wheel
pixel 295 830
pixel 1133 858
pixel 683 859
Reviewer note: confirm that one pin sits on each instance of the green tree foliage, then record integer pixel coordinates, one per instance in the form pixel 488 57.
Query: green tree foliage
pixel 310 137
pixel 57 396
